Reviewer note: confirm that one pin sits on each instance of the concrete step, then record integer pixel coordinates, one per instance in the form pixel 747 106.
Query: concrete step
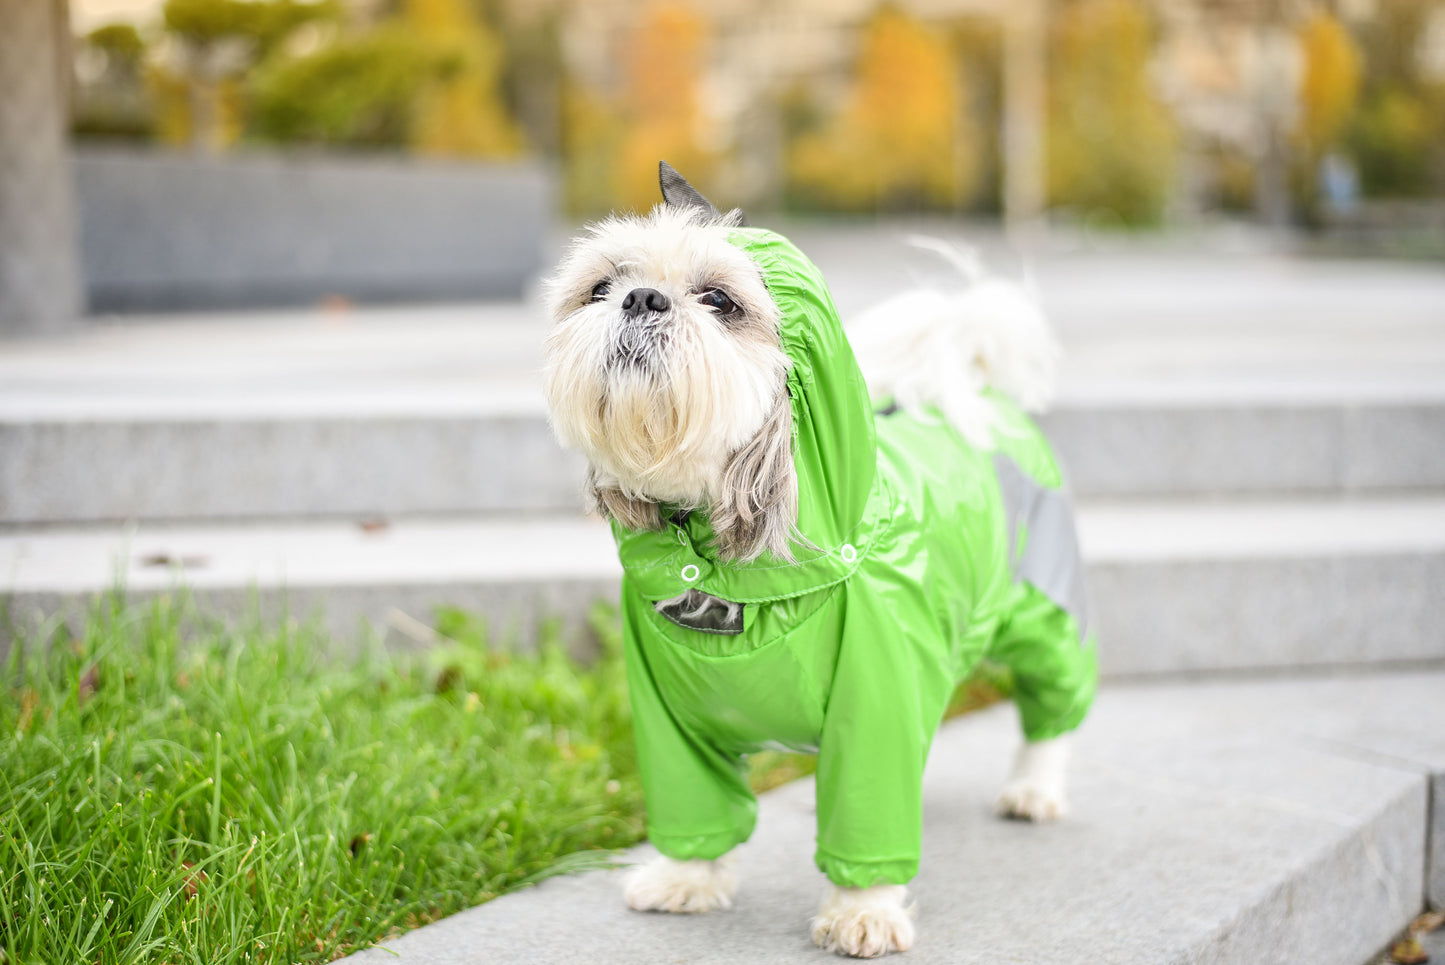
pixel 276 457
pixel 1177 587
pixel 1233 824
pixel 423 410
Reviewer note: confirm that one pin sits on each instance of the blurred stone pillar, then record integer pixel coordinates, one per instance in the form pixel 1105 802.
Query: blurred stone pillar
pixel 40 283
pixel 1025 110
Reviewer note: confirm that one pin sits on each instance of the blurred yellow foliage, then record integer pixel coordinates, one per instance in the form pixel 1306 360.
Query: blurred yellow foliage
pixel 590 133
pixel 1330 86
pixel 901 137
pixel 1111 143
pixel 659 108
pixel 461 115
pixel 193 111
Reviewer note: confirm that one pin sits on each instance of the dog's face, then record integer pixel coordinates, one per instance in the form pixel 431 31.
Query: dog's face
pixel 663 367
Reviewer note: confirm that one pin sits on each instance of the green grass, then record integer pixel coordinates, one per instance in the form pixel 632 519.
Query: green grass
pixel 183 792
pixel 237 796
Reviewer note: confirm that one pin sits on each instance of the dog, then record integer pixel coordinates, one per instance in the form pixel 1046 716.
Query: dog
pixel 812 560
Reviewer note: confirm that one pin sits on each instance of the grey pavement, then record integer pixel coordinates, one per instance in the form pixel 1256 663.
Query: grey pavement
pixel 1241 822
pixel 1256 327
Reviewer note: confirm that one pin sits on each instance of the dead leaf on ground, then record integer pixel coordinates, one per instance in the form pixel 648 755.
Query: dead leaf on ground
pixel 89 684
pixel 194 880
pixel 449 678
pixel 374 524
pixel 194 561
pixel 1408 952
pixel 334 304
pixel 1428 922
pixel 29 700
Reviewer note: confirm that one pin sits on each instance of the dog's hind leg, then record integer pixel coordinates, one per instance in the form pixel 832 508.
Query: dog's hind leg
pixel 1053 672
pixel 1035 791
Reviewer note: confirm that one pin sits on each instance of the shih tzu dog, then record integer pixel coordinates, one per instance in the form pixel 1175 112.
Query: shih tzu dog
pixel 813 560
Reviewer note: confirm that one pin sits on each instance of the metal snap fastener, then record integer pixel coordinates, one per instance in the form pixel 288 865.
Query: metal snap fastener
pixel 848 553
pixel 681 536
pixel 690 572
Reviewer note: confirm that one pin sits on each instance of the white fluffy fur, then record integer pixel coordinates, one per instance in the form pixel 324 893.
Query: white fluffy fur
pixel 686 887
pixel 927 347
pixel 1035 789
pixel 664 432
pixel 865 922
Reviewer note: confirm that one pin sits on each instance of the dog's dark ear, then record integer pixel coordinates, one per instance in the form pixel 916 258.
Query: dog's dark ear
pixel 613 503
pixel 679 194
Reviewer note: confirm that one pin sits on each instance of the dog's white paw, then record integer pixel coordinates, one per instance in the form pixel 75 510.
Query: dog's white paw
pixel 1030 802
pixel 1035 790
pixel 865 922
pixel 686 887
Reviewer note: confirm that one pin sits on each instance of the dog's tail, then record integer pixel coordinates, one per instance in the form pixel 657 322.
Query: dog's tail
pixel 942 348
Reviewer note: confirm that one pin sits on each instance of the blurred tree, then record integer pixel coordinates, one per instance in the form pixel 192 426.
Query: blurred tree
pixel 979 45
pixel 1329 91
pixel 109 96
pixel 215 43
pixel 258 26
pixel 357 90
pixel 1330 85
pixel 901 139
pixel 659 110
pixel 460 113
pixel 120 42
pixel 1397 137
pixel 533 73
pixel 424 77
pixel 591 134
pixel 1111 143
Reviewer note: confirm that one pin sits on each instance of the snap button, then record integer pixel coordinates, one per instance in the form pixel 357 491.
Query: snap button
pixel 690 572
pixel 681 536
pixel 848 553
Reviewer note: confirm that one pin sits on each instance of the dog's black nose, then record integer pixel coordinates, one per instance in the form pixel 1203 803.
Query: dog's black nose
pixel 642 300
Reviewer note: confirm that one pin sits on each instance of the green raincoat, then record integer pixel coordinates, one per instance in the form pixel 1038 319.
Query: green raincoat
pixel 926 556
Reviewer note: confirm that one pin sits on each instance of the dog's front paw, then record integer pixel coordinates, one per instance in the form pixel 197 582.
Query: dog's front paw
pixel 681 886
pixel 864 922
pixel 1027 800
pixel 1035 790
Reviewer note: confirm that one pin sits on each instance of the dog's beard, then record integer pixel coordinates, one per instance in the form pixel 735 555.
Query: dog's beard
pixel 684 405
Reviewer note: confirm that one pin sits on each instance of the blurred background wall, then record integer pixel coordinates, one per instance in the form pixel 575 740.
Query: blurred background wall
pixel 1323 116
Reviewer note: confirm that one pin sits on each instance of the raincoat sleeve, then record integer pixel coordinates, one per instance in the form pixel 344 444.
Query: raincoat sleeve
pixel 699 804
pixel 882 713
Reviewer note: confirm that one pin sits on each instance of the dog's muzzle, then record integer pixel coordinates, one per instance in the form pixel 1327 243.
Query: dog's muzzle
pixel 640 336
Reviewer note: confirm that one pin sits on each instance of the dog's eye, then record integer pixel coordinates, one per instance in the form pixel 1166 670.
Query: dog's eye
pixel 600 290
pixel 718 301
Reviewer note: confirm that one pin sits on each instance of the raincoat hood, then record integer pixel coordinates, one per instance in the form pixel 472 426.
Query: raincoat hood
pixel 840 507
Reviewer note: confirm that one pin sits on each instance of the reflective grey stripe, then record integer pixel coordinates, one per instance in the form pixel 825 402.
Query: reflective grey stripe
pixel 1050 559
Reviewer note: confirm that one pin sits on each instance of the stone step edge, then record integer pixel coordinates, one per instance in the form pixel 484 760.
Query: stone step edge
pixel 517 398
pixel 1362 879
pixel 1330 585
pixel 517 549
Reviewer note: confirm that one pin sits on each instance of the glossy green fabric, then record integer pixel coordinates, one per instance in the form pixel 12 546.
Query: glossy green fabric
pixel 901 586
